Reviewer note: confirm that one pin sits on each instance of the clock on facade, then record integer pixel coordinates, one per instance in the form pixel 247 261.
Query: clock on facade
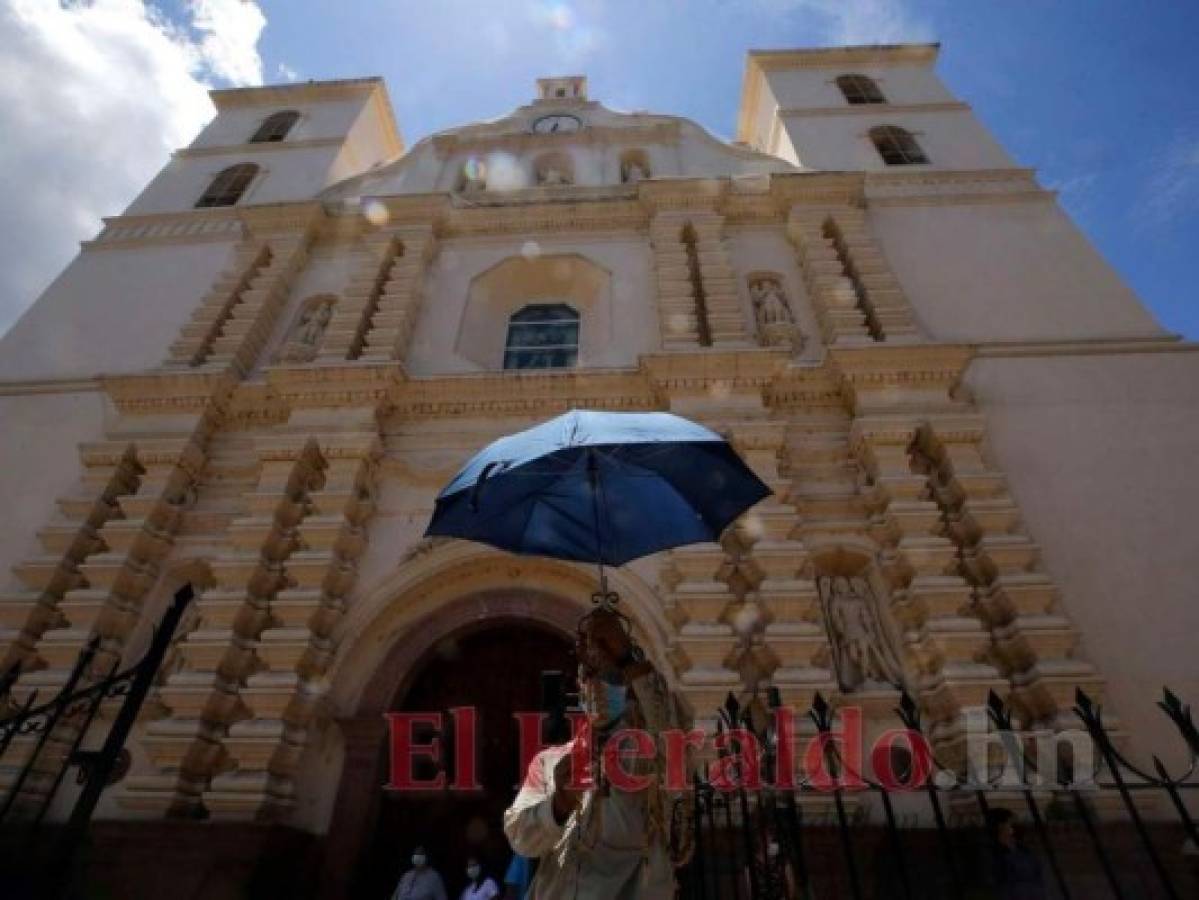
pixel 557 123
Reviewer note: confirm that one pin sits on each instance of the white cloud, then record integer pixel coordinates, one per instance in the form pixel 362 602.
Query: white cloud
pixel 1172 191
pixel 858 21
pixel 93 97
pixel 228 43
pixel 286 72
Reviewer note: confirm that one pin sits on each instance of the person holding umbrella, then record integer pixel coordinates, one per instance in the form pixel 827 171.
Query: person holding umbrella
pixel 604 488
pixel 595 837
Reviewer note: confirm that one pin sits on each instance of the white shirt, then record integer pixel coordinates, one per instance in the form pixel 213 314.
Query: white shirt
pixel 486 890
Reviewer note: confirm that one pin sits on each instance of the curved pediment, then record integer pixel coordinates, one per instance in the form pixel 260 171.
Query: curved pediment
pixel 558 144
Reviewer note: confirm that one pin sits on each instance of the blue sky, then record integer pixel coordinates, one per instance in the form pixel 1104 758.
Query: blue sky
pixel 1098 96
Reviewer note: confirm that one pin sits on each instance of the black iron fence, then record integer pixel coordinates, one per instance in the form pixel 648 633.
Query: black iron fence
pixel 961 835
pixel 49 739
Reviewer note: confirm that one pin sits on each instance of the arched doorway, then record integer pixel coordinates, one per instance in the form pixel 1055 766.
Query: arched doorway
pixel 496 668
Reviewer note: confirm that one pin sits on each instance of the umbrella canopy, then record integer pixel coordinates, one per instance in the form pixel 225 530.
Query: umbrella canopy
pixel 599 487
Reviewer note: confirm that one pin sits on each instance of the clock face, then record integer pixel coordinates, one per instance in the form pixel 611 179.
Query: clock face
pixel 558 123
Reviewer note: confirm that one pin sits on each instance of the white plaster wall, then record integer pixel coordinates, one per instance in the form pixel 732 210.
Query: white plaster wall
pixel 1100 453
pixel 284 175
pixel 40 453
pixel 237 125
pixel 950 139
pixel 817 88
pixel 768 250
pixel 111 311
pixel 1006 271
pixel 633 315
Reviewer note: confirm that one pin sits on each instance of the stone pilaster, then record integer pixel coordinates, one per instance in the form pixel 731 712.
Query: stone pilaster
pixel 678 304
pixel 191 744
pixel 946 639
pixel 133 544
pixel 372 262
pixel 285 696
pixel 194 344
pixel 1035 644
pixel 393 316
pixel 67 541
pixel 856 296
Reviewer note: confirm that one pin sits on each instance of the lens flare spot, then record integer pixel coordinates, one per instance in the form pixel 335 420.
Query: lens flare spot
pixel 746 619
pixel 530 250
pixel 475 169
pixel 720 390
pixel 504 172
pixel 678 323
pixel 375 212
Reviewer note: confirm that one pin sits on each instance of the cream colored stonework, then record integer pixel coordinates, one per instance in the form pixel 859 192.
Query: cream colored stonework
pixel 292 488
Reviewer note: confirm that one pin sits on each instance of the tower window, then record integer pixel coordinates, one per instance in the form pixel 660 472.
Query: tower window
pixel 542 336
pixel 228 186
pixel 275 127
pixel 860 89
pixel 896 146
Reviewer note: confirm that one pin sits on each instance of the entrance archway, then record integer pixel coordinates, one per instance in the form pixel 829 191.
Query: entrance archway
pixel 495 668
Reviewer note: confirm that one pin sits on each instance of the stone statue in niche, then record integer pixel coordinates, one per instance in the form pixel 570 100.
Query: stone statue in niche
pixel 634 172
pixel 863 652
pixel 772 312
pixel 305 337
pixel 550 175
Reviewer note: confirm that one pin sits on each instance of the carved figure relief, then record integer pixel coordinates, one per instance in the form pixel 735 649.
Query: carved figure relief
pixel 863 652
pixel 633 172
pixel 306 334
pixel 772 312
pixel 550 176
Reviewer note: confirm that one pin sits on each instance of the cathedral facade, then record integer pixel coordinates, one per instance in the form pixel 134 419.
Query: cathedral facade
pixel 257 378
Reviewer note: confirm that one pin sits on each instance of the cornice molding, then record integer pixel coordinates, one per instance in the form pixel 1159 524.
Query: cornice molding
pixel 521 142
pixel 19 388
pixel 513 393
pixel 298 92
pixel 258 147
pixel 882 110
pixel 954 187
pixel 168 391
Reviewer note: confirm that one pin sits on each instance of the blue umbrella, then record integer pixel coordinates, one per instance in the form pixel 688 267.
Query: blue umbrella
pixel 599 487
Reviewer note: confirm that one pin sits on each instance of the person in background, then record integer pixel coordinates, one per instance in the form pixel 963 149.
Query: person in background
pixel 478 885
pixel 518 877
pixel 1017 871
pixel 421 882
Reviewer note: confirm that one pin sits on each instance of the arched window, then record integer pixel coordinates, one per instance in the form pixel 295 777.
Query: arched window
pixel 542 336
pixel 228 186
pixel 860 89
pixel 896 146
pixel 275 127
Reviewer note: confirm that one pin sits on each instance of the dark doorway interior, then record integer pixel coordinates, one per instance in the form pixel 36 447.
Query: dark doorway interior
pixel 497 670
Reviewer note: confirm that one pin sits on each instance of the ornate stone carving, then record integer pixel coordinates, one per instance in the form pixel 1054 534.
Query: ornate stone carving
pixel 632 172
pixel 863 652
pixel 306 334
pixel 551 176
pixel 772 312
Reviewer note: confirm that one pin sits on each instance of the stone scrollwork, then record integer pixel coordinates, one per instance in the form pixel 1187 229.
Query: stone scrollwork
pixel 772 312
pixel 864 653
pixel 305 337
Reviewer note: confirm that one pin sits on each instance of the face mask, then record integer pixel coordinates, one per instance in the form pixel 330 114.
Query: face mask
pixel 418 859
pixel 607 702
pixel 472 872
